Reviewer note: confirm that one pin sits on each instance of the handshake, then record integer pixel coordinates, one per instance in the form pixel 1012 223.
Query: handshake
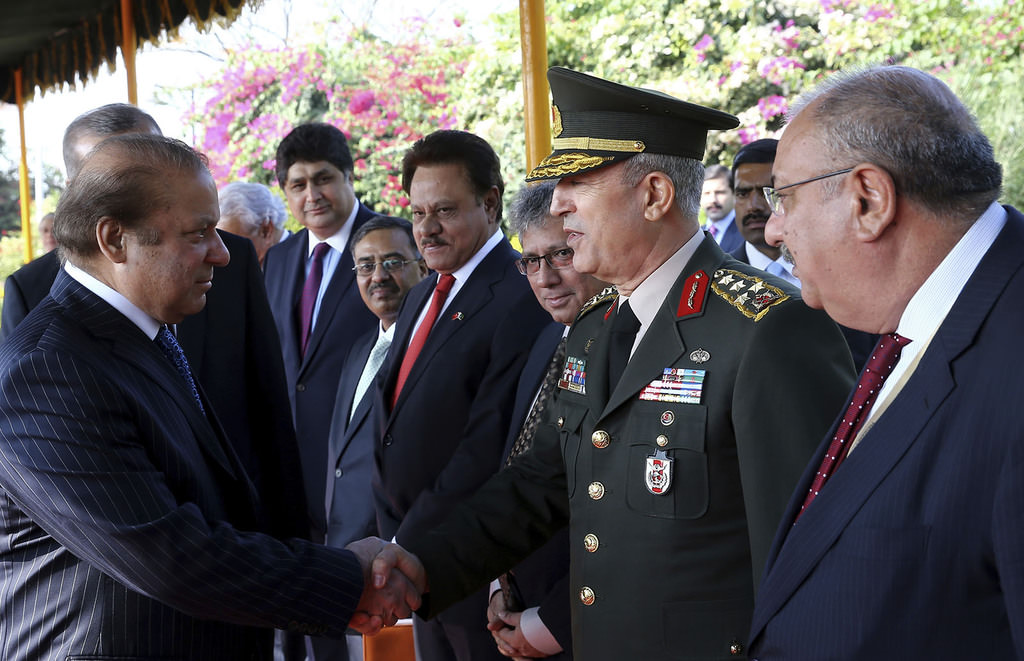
pixel 394 581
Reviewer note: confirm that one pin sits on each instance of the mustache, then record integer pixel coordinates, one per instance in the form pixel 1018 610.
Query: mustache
pixel 753 216
pixel 426 243
pixel 387 285
pixel 786 254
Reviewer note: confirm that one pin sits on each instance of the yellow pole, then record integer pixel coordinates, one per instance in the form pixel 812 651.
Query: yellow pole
pixel 128 50
pixel 23 189
pixel 533 32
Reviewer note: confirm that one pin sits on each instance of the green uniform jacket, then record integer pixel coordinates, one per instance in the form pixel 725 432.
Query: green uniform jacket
pixel 664 562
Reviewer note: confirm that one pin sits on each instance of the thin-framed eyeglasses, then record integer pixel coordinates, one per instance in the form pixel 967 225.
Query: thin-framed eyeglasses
pixel 556 259
pixel 367 269
pixel 775 199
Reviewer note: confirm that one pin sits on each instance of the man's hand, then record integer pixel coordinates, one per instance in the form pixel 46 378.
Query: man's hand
pixel 394 581
pixel 504 626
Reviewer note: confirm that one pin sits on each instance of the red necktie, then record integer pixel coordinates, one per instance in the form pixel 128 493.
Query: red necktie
pixel 883 360
pixel 444 285
pixel 309 293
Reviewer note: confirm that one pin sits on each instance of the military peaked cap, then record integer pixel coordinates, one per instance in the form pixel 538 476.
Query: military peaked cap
pixel 597 122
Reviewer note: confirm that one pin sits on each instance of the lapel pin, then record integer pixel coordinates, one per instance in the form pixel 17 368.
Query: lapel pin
pixel 457 316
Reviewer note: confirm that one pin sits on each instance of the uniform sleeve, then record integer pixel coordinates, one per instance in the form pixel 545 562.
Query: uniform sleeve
pixel 512 514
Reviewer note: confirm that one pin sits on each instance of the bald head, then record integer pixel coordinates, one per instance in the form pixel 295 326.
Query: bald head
pixel 911 124
pixel 98 124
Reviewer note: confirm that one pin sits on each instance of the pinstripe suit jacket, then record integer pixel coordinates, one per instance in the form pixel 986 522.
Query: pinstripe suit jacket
pixel 123 509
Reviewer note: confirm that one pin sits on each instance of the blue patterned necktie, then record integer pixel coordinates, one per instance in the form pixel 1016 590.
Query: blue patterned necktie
pixel 169 345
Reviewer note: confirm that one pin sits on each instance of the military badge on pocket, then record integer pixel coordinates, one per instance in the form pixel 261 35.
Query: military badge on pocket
pixel 658 474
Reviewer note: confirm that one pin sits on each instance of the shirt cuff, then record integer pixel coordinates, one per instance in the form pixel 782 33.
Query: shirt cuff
pixel 495 586
pixel 537 634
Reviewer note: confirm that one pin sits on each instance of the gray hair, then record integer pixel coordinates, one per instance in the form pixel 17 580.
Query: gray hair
pixel 531 206
pixel 912 125
pixel 253 204
pixel 687 176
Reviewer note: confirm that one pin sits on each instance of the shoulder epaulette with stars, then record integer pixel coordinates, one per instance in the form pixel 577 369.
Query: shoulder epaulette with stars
pixel 751 295
pixel 605 295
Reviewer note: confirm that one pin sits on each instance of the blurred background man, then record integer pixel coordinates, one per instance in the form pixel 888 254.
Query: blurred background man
pixel 718 202
pixel 252 211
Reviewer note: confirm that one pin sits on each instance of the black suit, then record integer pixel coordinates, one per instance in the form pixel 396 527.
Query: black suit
pixel 447 431
pixel 124 511
pixel 861 344
pixel 542 579
pixel 312 379
pixel 234 352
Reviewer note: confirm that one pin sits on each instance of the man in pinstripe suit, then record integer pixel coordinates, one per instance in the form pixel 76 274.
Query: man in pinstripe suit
pixel 125 515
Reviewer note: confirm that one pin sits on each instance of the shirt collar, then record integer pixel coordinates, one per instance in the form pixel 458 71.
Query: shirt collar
pixel 462 273
pixel 338 240
pixel 146 323
pixel 930 304
pixel 648 296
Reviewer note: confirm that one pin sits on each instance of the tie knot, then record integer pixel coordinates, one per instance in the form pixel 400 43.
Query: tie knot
pixel 886 353
pixel 625 321
pixel 320 250
pixel 445 282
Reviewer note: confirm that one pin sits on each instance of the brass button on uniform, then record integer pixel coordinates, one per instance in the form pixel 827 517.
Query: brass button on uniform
pixel 600 439
pixel 662 440
pixel 587 596
pixel 596 490
pixel 590 542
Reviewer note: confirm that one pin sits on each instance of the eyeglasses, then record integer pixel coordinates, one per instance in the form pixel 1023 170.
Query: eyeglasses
pixel 556 259
pixel 775 200
pixel 366 269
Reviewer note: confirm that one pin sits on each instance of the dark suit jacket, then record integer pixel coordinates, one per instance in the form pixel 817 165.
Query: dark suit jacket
pixel 732 239
pixel 234 352
pixel 447 431
pixel 672 575
pixel 312 380
pixel 913 549
pixel 123 508
pixel 350 506
pixel 542 579
pixel 861 344
pixel 24 288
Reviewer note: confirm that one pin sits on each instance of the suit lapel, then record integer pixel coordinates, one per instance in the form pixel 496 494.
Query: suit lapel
pixel 474 295
pixel 346 391
pixel 798 549
pixel 130 345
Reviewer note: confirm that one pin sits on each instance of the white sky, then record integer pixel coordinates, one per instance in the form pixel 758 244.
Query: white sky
pixel 173 65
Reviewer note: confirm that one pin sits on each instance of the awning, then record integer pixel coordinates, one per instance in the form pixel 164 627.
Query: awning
pixel 63 41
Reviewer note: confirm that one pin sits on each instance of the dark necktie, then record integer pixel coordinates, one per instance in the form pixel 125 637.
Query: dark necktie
pixel 880 365
pixel 621 336
pixel 309 293
pixel 547 387
pixel 444 285
pixel 169 345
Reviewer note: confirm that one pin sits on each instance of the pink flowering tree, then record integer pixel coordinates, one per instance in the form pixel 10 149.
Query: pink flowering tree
pixel 383 95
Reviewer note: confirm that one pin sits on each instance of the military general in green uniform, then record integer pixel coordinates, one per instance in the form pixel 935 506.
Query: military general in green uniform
pixel 690 400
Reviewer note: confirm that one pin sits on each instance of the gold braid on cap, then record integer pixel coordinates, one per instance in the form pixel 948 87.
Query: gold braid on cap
pixel 599 144
pixel 556 167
